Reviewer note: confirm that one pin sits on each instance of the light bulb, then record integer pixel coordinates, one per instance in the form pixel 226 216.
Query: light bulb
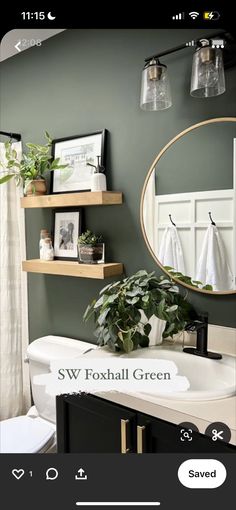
pixel 155 90
pixel 207 73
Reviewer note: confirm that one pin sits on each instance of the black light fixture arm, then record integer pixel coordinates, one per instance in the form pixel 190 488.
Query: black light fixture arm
pixel 15 136
pixel 156 56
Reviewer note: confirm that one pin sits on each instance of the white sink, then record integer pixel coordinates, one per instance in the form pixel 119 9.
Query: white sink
pixel 209 379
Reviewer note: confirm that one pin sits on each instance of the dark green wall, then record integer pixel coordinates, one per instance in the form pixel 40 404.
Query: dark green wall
pixel 201 160
pixel 86 80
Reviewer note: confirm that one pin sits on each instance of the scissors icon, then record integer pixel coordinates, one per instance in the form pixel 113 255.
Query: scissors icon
pixel 217 435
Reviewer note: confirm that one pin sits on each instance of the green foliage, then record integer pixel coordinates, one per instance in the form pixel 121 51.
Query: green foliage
pixel 187 279
pixel 117 310
pixel 33 165
pixel 90 238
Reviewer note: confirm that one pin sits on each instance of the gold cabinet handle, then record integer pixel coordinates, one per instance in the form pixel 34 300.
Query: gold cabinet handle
pixel 140 431
pixel 123 426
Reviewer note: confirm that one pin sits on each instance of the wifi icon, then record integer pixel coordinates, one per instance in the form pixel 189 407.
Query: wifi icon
pixel 194 14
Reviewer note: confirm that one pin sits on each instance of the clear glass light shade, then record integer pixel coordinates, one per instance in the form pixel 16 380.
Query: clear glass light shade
pixel 208 78
pixel 155 87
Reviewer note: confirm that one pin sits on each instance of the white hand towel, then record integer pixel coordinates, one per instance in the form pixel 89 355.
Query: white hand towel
pixel 213 267
pixel 171 253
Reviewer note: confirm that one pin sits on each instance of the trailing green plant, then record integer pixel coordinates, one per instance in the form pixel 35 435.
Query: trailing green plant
pixel 117 311
pixel 33 165
pixel 90 238
pixel 187 279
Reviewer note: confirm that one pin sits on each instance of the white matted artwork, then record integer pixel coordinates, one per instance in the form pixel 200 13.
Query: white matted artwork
pixel 67 228
pixel 78 153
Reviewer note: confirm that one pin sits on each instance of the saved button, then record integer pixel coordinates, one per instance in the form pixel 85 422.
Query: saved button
pixel 202 473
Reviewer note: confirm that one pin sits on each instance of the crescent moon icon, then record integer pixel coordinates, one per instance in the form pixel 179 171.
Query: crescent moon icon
pixel 50 16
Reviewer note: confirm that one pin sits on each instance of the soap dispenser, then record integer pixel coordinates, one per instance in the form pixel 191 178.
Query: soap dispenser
pixel 98 180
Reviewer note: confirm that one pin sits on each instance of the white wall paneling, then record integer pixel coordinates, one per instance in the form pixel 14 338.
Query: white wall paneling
pixel 189 211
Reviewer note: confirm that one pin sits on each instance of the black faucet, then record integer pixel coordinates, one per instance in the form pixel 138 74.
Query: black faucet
pixel 200 325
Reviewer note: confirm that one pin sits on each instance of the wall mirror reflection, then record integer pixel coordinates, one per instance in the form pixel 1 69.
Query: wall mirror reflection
pixel 188 207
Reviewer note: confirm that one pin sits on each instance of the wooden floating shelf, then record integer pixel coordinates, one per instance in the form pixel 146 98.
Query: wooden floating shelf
pixel 69 268
pixel 85 198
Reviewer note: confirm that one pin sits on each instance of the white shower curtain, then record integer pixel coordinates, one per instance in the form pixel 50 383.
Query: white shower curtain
pixel 14 376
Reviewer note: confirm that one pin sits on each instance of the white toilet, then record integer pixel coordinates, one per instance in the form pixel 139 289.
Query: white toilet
pixel 36 432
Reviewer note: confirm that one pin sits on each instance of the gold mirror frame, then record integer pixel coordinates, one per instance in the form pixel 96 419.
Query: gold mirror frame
pixel 159 156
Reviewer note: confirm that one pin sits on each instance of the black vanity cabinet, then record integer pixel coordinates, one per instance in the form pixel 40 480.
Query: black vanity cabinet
pixel 87 424
pixel 90 424
pixel 156 436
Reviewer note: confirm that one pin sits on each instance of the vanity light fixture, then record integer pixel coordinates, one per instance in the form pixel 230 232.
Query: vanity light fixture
pixel 207 71
pixel 155 88
pixel 208 77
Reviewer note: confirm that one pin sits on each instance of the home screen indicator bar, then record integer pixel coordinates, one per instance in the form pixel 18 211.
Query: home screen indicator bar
pixel 118 503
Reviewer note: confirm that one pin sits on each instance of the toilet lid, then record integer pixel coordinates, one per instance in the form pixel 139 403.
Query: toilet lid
pixel 25 434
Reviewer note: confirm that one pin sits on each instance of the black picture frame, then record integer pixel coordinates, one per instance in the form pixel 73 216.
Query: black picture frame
pixel 94 145
pixel 61 220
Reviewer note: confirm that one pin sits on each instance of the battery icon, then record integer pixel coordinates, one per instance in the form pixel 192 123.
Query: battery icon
pixel 211 15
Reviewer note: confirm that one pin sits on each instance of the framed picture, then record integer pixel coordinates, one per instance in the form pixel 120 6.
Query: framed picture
pixel 76 152
pixel 66 230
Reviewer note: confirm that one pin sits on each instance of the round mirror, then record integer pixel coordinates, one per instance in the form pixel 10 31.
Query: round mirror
pixel 188 207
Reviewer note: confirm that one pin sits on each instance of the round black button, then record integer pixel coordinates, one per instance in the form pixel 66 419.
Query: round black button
pixel 186 431
pixel 218 431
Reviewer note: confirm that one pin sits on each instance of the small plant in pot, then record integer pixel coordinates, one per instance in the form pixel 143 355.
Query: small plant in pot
pixel 91 248
pixel 119 310
pixel 31 169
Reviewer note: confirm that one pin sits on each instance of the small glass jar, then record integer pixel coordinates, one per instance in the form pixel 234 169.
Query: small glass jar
pixel 47 249
pixel 91 254
pixel 44 234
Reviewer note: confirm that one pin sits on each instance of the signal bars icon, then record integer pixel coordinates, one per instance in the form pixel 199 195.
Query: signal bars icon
pixel 179 16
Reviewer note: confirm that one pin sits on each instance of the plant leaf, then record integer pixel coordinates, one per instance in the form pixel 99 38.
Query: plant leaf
pixel 172 308
pixel 6 178
pixel 89 311
pixel 99 302
pixel 132 301
pixel 127 342
pixel 144 341
pixel 48 137
pixel 147 329
pixel 102 316
pixel 169 329
pixel 207 287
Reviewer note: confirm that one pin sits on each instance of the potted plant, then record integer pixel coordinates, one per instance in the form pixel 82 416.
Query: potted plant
pixel 118 310
pixel 31 169
pixel 90 248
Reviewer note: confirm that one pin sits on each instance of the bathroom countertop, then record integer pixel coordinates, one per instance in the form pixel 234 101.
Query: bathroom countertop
pixel 201 413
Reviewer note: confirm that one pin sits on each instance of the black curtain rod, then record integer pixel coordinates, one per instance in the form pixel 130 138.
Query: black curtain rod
pixel 16 136
pixel 184 45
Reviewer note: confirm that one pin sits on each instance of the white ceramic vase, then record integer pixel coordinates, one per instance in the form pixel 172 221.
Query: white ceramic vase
pixel 158 326
pixel 98 182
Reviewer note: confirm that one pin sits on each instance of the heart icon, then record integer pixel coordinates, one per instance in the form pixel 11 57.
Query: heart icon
pixel 18 473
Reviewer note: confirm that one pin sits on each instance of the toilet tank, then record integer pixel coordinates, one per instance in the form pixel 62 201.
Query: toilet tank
pixel 40 352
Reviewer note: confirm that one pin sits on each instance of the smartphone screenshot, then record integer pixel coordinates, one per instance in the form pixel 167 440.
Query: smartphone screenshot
pixel 118 258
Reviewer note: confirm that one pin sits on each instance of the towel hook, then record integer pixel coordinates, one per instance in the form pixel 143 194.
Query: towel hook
pixel 172 220
pixel 210 216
